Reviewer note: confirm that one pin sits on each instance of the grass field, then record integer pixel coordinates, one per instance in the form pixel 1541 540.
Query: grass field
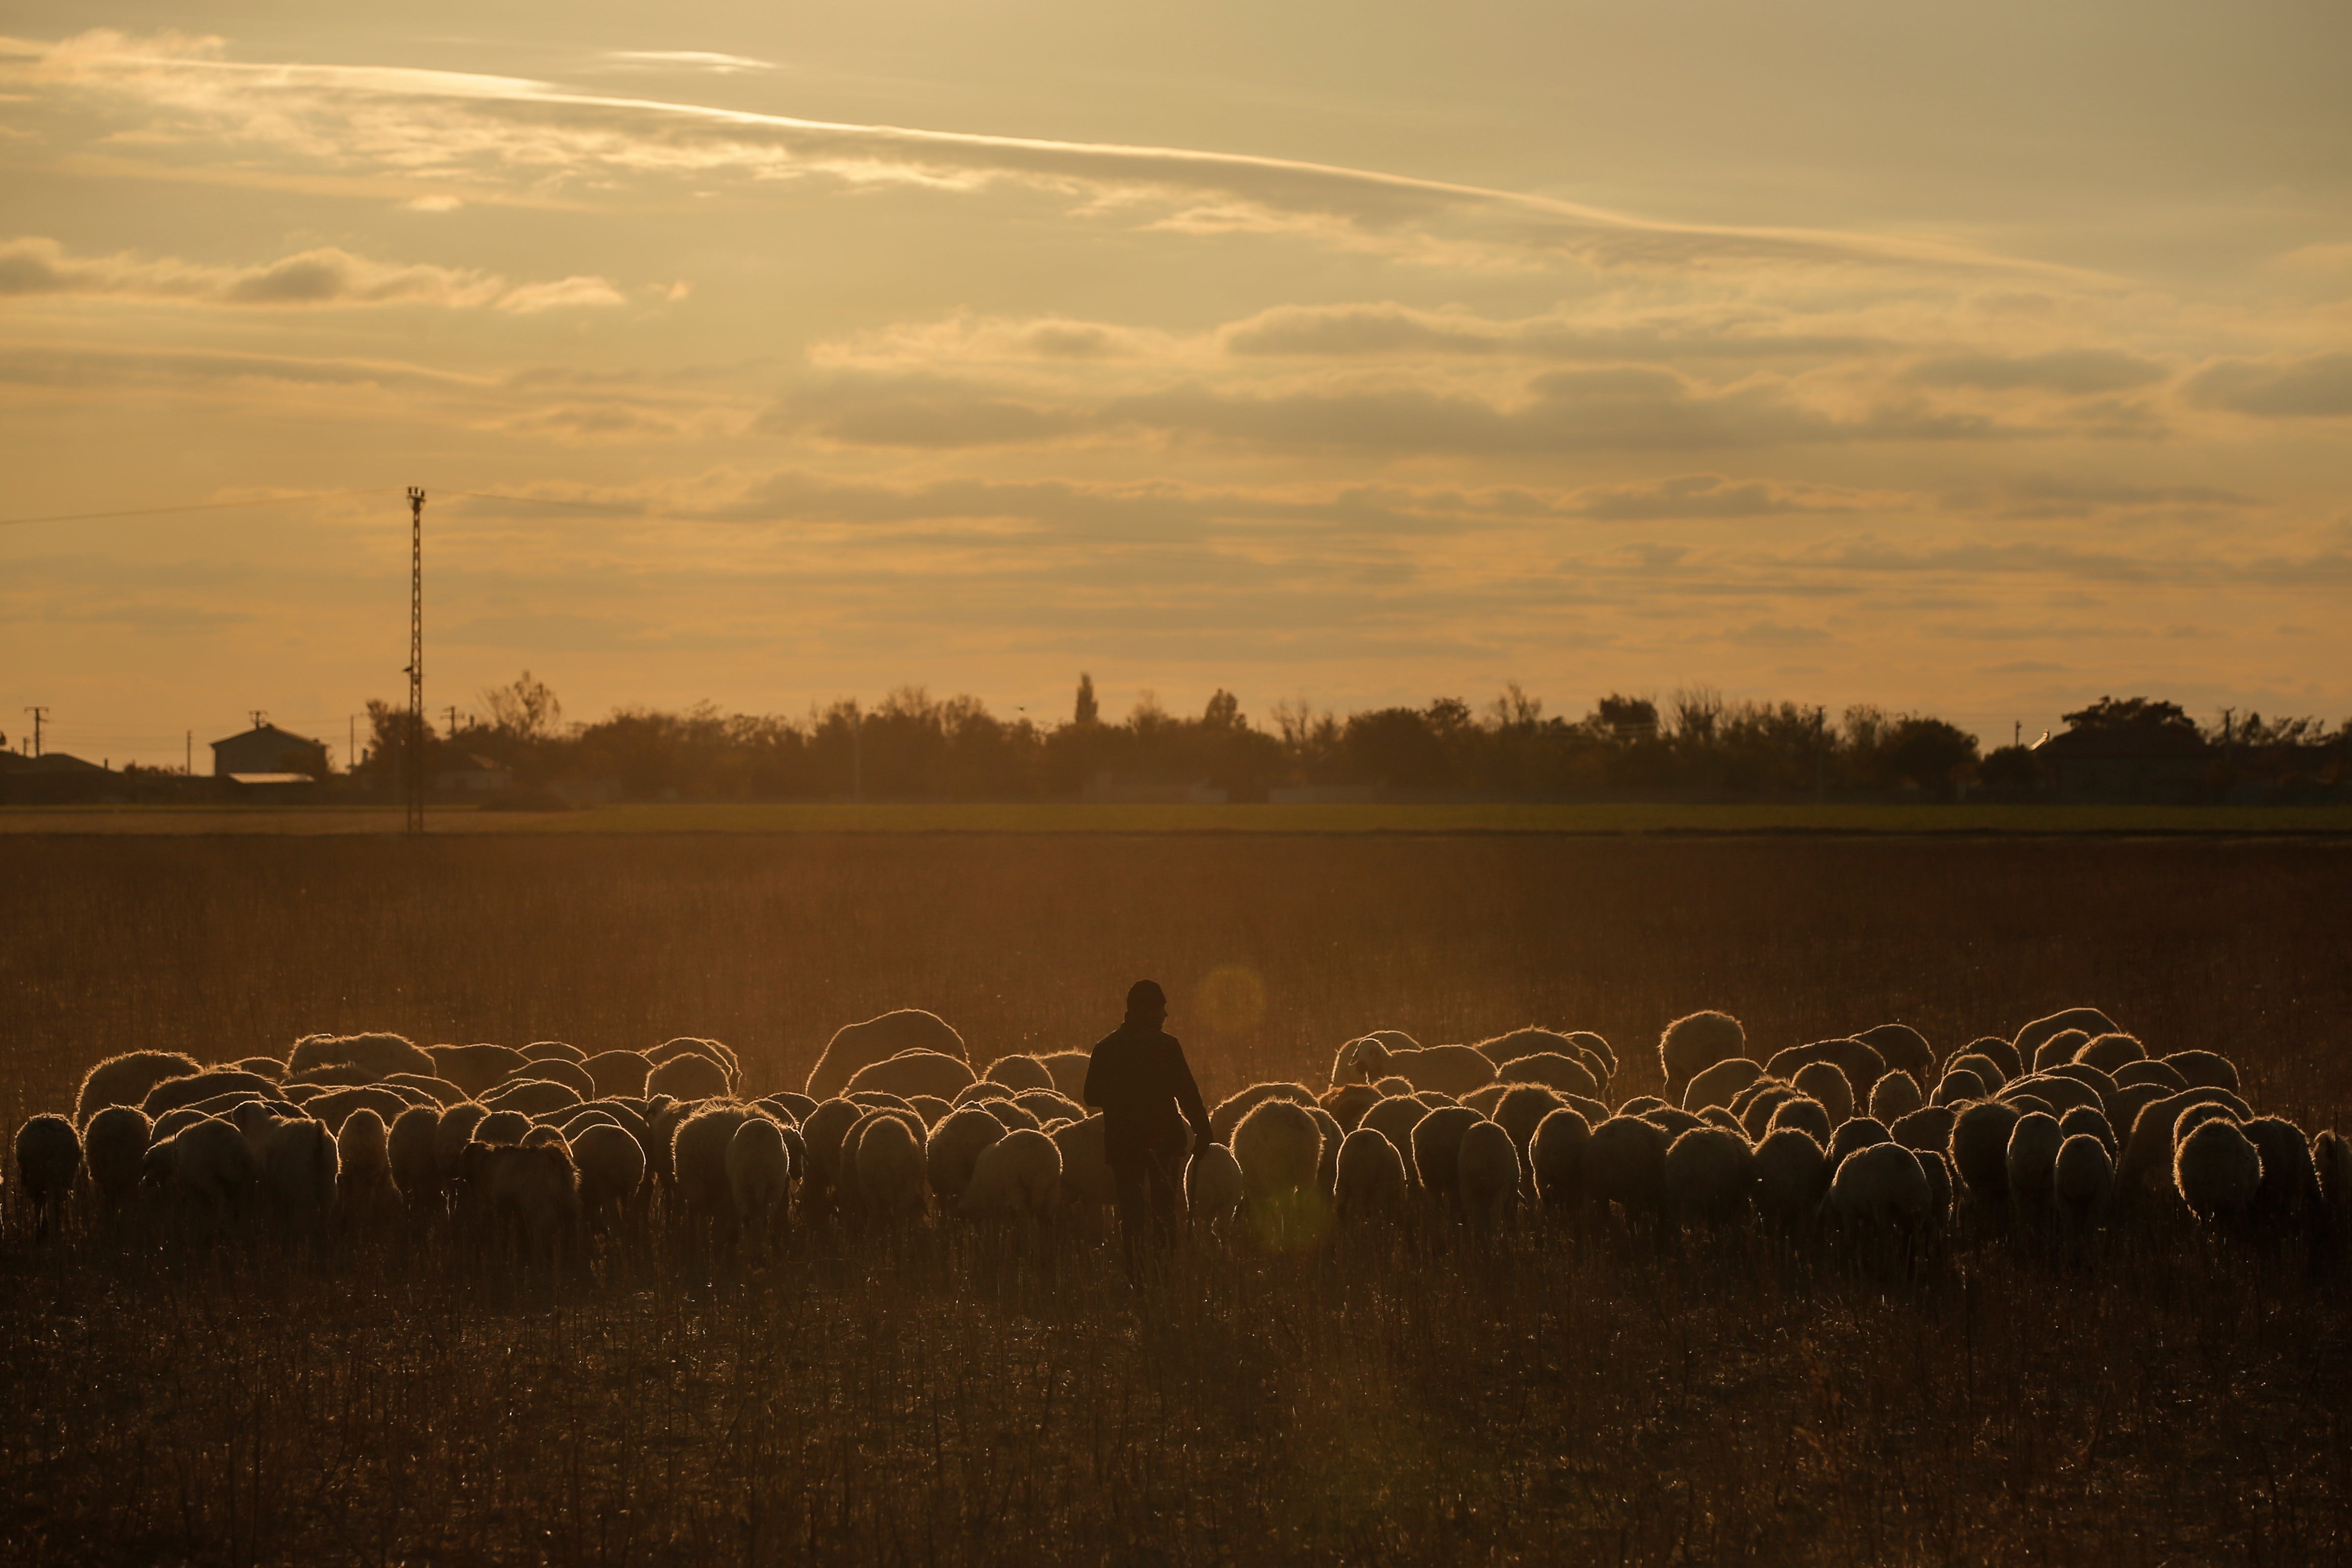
pixel 1608 817
pixel 1554 1397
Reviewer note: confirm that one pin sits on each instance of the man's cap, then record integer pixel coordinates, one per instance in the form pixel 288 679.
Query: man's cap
pixel 1145 995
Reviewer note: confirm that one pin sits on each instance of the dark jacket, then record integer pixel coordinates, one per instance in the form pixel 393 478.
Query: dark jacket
pixel 1138 1076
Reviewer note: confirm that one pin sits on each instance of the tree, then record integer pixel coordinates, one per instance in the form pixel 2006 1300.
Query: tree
pixel 1088 711
pixel 2130 712
pixel 526 710
pixel 1928 752
pixel 1223 712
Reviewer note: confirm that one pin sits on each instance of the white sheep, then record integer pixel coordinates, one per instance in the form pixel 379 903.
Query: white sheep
pixel 888 1162
pixel 1827 1084
pixel 1394 1119
pixel 366 1192
pixel 1436 1147
pixel 1214 1188
pixel 2216 1170
pixel 612 1167
pixel 1896 1096
pixel 954 1146
pixel 1018 1175
pixel 299 1167
pixel 1373 1181
pixel 125 1080
pixel 1018 1073
pixel 1626 1163
pixel 1720 1084
pixel 114 1142
pixel 2033 1036
pixel 207 1172
pixel 859 1045
pixel 698 1145
pixel 49 1158
pixel 689 1076
pixel 1708 1175
pixel 760 1179
pixel 2082 1179
pixel 1085 1169
pixel 1279 1148
pixel 1980 1152
pixel 1802 1111
pixel 1695 1043
pixel 913 1072
pixel 1556 1158
pixel 1792 1176
pixel 1882 1187
pixel 530 1195
pixel 1486 1175
pixel 2031 1161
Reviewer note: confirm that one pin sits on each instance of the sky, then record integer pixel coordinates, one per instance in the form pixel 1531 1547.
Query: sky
pixel 1969 360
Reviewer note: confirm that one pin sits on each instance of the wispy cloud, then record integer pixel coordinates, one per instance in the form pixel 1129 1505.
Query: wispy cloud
pixel 326 277
pixel 682 60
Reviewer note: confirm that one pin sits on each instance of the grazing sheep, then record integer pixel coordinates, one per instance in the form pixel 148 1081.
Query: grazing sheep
pixel 1756 1115
pixel 912 1072
pixel 1372 1183
pixel 860 1045
pixel 1048 1106
pixel 1086 1170
pixel 759 1178
pixel 1327 1169
pixel 2162 1075
pixel 1792 1175
pixel 1882 1187
pixel 298 1166
pixel 1484 1100
pixel 553 1050
pixel 1436 1145
pixel 1707 1175
pixel 1229 1112
pixel 1012 1116
pixel 611 1163
pixel 2060 1047
pixel 1828 1083
pixel 1019 1072
pixel 378 1053
pixel 1861 1064
pixel 2083 1119
pixel 1213 1190
pixel 2030 1038
pixel 1896 1096
pixel 175 1093
pixel 364 1189
pixel 440 1090
pixel 2060 1091
pixel 127 1078
pixel 930 1108
pixel 555 1070
pixel 1858 1133
pixel 533 1096
pixel 2032 1160
pixel 1676 1123
pixel 1626 1163
pixel 1554 1070
pixel 2289 1195
pixel 344 1076
pixel 1349 1103
pixel 2082 1179
pixel 615 1073
pixel 1902 1049
pixel 1803 1111
pixel 48 1157
pixel 1924 1129
pixel 698 1145
pixel 1365 1059
pixel 1695 1043
pixel 115 1145
pixel 1069 1071
pixel 1990 1073
pixel 1596 1052
pixel 530 1195
pixel 207 1173
pixel 1979 1151
pixel 1280 1151
pixel 1716 1115
pixel 796 1108
pixel 2331 1156
pixel 1556 1158
pixel 502 1127
pixel 1521 1111
pixel 953 1149
pixel 888 1160
pixel 1448 1069
pixel 2146 1160
pixel 2216 1170
pixel 1018 1175
pixel 1959 1086
pixel 2204 1069
pixel 1721 1083
pixel 475 1068
pixel 689 1076
pixel 2109 1052
pixel 1939 1185
pixel 1394 1119
pixel 1486 1175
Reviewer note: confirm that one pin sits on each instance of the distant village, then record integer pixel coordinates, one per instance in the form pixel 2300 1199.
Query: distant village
pixel 1693 746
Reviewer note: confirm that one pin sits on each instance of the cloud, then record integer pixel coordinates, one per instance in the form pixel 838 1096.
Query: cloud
pixel 1387 328
pixel 489 131
pixel 2317 387
pixel 682 60
pixel 1705 496
pixel 325 277
pixel 2076 373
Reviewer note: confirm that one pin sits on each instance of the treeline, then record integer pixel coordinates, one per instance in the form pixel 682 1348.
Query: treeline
pixel 912 746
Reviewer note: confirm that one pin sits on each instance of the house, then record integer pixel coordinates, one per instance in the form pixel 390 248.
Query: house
pixel 2125 762
pixel 267 749
pixel 458 772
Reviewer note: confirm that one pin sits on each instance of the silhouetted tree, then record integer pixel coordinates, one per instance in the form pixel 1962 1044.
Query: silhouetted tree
pixel 1087 711
pixel 2130 712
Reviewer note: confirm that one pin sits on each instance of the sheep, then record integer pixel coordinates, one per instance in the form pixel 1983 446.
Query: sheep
pixel 1721 1083
pixel 953 1147
pixel 1624 1163
pixel 1327 1169
pixel 2030 1038
pixel 2216 1170
pixel 452 1130
pixel 364 1189
pixel 1394 1119
pixel 1556 1158
pixel 2109 1052
pixel 1553 1070
pixel 2031 1161
pixel 1048 1106
pixel 1347 1103
pixel 1959 1086
pixel 1086 1170
pixel 1017 1175
pixel 1896 1096
pixel 2059 1092
pixel 824 1128
pixel 1019 1072
pixel 553 1050
pixel 1596 1051
pixel 888 1162
pixel 1828 1083
pixel 1939 1185
pixel 2289 1195
pixel 1484 1100
pixel 1371 1180
pixel 175 1093
pixel 1707 1175
pixel 1436 1145
pixel 1861 1064
pixel 2331 1156
pixel 1366 1058
pixel 475 1068
pixel 859 1045
pixel 1882 1187
pixel 1902 1049
pixel 114 1142
pixel 555 1070
pixel 2083 1119
pixel 532 1194
pixel 1069 1071
pixel 1756 1115
pixel 2082 1178
pixel 698 1144
pixel 1805 1112
pixel 1280 1151
pixel 1716 1115
pixel 1012 1116
pixel 1486 1175
pixel 1991 1071
pixel 1858 1133
pixel 611 1163
pixel 1673 1121
pixel 1979 1151
pixel 207 1172
pixel 440 1090
pixel 377 1053
pixel 1695 1043
pixel 49 1158
pixel 1448 1068
pixel 2060 1047
pixel 125 1080
pixel 912 1072
pixel 297 1166
pixel 1792 1176
pixel 2162 1074
pixel 689 1076
pixel 1522 1110
pixel 617 1073
pixel 2204 1069
pixel 1229 1112
pixel 759 1179
pixel 502 1127
pixel 794 1108
pixel 2146 1160
pixel 1213 1190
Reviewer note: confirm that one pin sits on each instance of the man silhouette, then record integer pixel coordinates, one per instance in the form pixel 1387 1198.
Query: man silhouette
pixel 1138 1076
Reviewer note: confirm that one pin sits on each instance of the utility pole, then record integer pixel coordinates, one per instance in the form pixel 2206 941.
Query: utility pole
pixel 259 714
pixel 351 742
pixel 38 714
pixel 452 730
pixel 858 757
pixel 188 756
pixel 413 764
pixel 2017 732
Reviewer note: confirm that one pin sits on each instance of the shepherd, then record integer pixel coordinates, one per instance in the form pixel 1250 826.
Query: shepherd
pixel 1138 1077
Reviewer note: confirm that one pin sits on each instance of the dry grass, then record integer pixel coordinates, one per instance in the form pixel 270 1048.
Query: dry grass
pixel 938 1399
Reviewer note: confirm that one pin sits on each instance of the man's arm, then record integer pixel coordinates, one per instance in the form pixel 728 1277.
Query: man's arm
pixel 1187 1096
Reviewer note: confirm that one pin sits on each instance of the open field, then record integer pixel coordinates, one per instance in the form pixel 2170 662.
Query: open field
pixel 1552 1397
pixel 1603 818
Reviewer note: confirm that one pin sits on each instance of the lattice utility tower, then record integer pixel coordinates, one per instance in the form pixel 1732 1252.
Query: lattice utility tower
pixel 412 760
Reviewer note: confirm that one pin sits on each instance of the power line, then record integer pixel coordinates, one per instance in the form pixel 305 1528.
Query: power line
pixel 188 506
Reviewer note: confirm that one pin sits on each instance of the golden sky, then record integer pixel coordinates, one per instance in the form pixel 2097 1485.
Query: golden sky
pixel 1976 361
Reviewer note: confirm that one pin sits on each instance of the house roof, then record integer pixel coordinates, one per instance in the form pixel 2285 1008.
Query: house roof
pixel 268 732
pixel 2132 743
pixel 48 762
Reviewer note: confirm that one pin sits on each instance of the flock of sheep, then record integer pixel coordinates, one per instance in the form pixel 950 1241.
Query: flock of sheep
pixel 2068 1126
